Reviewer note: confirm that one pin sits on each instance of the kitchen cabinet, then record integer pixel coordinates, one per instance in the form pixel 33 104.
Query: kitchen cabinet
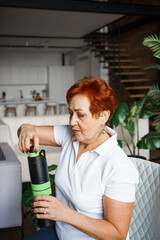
pixel 27 75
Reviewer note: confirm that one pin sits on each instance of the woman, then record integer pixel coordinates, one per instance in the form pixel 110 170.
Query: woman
pixel 95 181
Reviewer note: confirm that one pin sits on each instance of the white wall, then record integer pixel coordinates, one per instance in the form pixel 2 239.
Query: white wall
pixel 25 70
pixel 86 64
pixel 60 80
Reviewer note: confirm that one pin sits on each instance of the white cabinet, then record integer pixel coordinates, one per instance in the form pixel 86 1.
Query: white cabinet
pixel 60 80
pixel 27 75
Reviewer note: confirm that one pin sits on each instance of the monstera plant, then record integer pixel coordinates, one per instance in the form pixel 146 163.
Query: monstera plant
pixel 147 107
pixel 127 117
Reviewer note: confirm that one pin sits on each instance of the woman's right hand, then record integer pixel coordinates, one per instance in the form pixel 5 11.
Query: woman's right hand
pixel 27 136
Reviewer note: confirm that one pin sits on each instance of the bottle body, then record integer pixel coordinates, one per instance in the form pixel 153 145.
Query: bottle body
pixel 40 182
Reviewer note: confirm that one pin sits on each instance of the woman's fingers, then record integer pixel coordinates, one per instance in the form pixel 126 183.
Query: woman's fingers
pixel 54 209
pixel 42 206
pixel 27 136
pixel 35 142
pixel 41 199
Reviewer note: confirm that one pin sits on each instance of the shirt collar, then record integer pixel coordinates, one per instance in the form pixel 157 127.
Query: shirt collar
pixel 105 147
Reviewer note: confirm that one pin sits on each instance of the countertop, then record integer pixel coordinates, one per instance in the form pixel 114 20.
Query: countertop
pixel 26 101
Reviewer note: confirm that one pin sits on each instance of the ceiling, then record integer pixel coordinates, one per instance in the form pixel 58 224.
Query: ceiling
pixel 48 30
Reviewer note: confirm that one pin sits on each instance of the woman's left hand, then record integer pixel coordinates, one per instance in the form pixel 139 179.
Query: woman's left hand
pixel 49 207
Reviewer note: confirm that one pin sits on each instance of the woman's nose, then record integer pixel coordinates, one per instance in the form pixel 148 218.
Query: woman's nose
pixel 73 120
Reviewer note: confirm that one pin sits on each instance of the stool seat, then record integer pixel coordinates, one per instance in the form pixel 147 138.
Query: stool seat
pixel 31 105
pixel 31 108
pixel 51 106
pixel 10 108
pixel 11 105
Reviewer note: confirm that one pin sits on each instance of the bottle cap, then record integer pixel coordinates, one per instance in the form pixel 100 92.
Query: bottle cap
pixel 32 153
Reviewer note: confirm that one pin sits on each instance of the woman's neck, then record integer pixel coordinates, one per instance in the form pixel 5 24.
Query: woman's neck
pixel 96 143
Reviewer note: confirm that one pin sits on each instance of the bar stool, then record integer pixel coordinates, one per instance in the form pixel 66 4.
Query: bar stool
pixel 51 106
pixel 62 106
pixel 31 108
pixel 10 108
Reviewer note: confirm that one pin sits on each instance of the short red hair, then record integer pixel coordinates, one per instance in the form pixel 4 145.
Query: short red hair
pixel 101 96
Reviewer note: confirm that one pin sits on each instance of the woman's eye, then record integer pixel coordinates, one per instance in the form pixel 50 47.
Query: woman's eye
pixel 80 115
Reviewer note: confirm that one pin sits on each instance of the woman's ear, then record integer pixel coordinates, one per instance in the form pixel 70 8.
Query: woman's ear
pixel 105 116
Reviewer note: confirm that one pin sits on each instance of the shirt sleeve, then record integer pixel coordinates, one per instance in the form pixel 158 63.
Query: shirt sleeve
pixel 121 183
pixel 62 133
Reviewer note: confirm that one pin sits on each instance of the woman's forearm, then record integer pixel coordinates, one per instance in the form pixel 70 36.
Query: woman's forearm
pixel 34 135
pixel 96 228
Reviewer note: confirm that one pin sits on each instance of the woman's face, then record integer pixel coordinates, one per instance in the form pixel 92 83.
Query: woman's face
pixel 86 127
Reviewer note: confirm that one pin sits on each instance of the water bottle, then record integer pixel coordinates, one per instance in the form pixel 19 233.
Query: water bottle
pixel 39 175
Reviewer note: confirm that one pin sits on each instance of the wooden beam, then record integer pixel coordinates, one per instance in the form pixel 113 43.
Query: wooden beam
pixel 138 87
pixel 130 73
pixel 86 6
pixel 135 80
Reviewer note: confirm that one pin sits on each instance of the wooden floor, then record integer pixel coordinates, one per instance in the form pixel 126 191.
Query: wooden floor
pixel 29 227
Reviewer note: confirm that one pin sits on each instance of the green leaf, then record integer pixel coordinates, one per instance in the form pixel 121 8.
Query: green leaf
pixel 133 110
pixel 143 110
pixel 52 177
pixel 150 141
pixel 27 198
pixel 119 114
pixel 130 127
pixel 153 42
pixel 52 167
pixel 157 123
pixel 155 66
pixel 120 143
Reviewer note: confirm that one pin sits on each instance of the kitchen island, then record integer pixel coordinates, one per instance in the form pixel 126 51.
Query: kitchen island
pixel 21 104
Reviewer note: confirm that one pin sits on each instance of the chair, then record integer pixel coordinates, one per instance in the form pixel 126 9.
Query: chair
pixel 31 108
pixel 10 108
pixel 11 191
pixel 51 106
pixel 145 222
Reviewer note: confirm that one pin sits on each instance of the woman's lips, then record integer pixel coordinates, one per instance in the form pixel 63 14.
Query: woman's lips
pixel 75 131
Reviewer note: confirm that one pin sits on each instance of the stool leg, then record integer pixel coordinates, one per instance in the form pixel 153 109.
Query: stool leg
pixel 55 109
pixel 47 110
pixel 60 109
pixel 36 112
pixel 6 112
pixel 26 112
pixel 15 112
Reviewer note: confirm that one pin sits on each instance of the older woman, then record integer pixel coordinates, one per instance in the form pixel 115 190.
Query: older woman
pixel 95 180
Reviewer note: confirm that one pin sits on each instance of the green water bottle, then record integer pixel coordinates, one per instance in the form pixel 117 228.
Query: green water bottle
pixel 40 181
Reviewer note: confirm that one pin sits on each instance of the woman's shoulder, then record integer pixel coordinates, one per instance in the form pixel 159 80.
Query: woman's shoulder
pixel 119 157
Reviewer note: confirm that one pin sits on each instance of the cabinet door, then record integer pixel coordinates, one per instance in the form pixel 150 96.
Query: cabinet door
pixel 60 80
pixel 27 75
pixel 5 73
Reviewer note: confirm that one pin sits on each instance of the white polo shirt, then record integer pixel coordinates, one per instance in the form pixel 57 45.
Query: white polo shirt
pixel 104 170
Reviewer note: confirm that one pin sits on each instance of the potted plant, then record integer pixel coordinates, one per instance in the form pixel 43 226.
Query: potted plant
pixel 127 117
pixel 153 42
pixel 27 197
